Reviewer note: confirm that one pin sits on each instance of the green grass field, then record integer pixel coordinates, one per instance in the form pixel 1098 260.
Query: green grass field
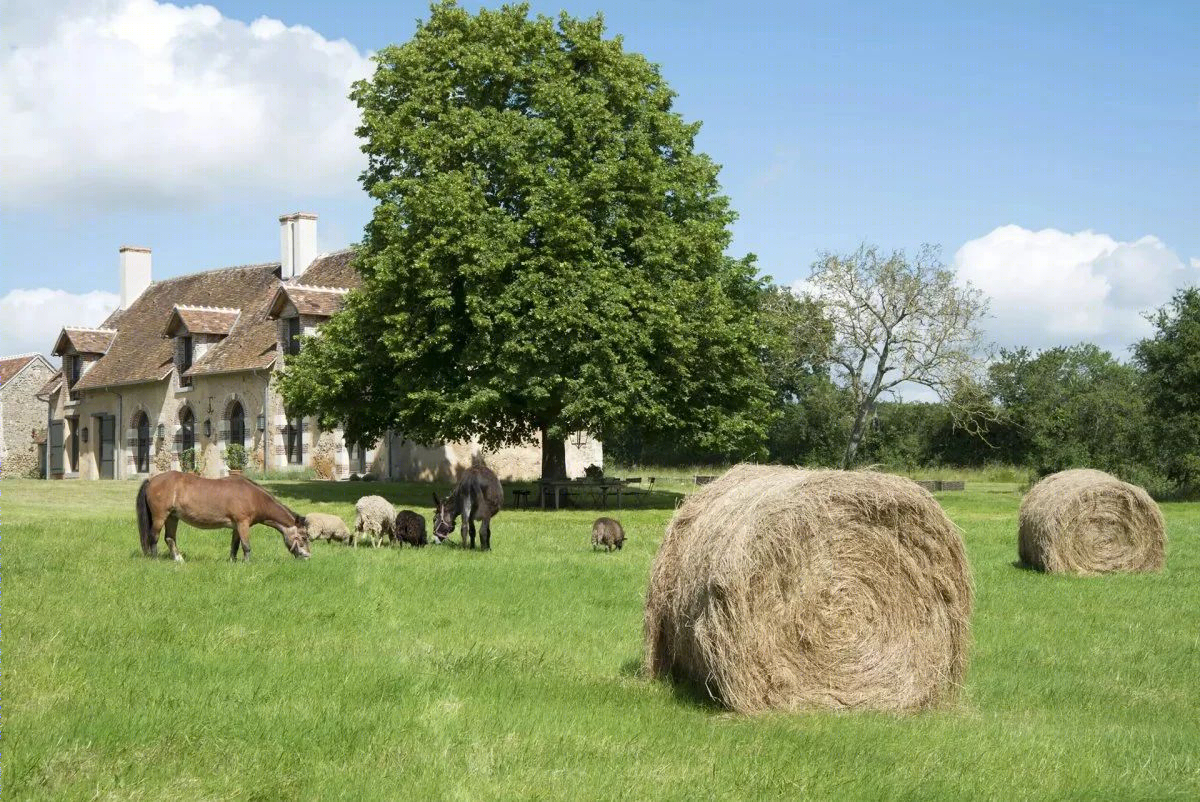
pixel 444 674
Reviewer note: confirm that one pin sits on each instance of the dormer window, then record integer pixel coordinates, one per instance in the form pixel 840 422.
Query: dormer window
pixel 292 344
pixel 73 344
pixel 296 304
pixel 196 329
pixel 185 361
pixel 74 371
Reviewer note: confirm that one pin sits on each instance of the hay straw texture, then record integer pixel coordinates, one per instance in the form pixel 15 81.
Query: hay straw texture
pixel 778 588
pixel 1088 522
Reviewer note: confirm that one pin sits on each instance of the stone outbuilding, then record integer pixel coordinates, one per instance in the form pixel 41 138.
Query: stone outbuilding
pixel 22 413
pixel 184 368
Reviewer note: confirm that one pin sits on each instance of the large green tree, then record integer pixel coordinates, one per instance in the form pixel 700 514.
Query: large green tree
pixel 546 252
pixel 1071 407
pixel 1171 361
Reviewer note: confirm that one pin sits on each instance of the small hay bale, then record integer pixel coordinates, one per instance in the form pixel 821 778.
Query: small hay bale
pixel 1088 522
pixel 778 588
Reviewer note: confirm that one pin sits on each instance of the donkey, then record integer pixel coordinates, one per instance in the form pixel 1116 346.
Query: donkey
pixel 477 497
pixel 233 502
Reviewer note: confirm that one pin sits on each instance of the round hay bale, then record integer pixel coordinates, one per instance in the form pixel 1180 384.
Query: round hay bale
pixel 778 588
pixel 1088 522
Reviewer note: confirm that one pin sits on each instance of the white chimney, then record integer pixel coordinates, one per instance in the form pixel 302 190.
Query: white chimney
pixel 297 243
pixel 135 273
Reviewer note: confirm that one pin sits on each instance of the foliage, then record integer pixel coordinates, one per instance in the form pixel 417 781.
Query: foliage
pixel 187 460
pixel 796 341
pixel 235 457
pixel 1069 408
pixel 1171 362
pixel 898 320
pixel 812 430
pixel 593 472
pixel 1090 683
pixel 545 254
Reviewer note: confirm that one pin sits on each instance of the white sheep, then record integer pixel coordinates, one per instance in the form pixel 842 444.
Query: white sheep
pixel 323 526
pixel 374 516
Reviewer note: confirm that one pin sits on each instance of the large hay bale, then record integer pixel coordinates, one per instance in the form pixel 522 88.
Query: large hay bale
pixel 1088 522
pixel 778 588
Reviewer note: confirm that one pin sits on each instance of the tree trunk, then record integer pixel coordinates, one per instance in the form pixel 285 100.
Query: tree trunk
pixel 856 435
pixel 554 456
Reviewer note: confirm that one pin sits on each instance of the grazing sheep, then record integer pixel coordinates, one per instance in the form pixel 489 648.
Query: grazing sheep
pixel 608 533
pixel 374 516
pixel 323 526
pixel 409 528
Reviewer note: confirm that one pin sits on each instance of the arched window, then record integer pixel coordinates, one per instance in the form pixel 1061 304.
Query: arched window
pixel 237 425
pixel 142 454
pixel 187 425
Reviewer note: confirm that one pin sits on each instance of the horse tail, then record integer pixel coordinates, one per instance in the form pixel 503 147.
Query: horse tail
pixel 143 516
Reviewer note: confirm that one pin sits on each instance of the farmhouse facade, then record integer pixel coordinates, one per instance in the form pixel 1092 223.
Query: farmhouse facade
pixel 184 367
pixel 22 414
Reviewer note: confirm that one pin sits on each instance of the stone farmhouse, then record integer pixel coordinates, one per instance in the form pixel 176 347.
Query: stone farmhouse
pixel 185 366
pixel 22 414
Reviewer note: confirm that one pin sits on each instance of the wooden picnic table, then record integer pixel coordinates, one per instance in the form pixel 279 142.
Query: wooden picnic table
pixel 557 486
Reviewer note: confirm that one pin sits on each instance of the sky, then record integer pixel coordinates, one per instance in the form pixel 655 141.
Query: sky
pixel 1051 150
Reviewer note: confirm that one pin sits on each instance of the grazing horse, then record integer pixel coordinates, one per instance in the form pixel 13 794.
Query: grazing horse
pixel 477 497
pixel 233 502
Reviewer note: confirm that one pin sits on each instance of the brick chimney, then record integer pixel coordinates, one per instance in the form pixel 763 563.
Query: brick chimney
pixel 297 243
pixel 135 273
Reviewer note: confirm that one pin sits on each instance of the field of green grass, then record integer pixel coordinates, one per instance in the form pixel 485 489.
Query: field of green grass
pixel 445 674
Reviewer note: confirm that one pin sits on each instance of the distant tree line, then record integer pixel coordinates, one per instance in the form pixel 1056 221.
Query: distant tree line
pixel 1070 406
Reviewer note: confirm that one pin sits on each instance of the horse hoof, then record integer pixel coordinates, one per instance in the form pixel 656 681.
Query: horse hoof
pixel 178 558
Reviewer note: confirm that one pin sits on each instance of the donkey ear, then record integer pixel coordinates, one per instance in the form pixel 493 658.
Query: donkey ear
pixel 436 503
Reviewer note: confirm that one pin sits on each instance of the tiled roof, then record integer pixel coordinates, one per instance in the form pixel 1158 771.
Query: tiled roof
pixel 52 384
pixel 309 300
pixel 201 319
pixel 12 365
pixel 85 341
pixel 206 303
pixel 331 270
pixel 140 352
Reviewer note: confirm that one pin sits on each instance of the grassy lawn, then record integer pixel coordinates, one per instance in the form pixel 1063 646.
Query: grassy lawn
pixel 444 674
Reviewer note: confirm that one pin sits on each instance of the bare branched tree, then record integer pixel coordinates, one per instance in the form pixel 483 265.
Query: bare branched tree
pixel 900 321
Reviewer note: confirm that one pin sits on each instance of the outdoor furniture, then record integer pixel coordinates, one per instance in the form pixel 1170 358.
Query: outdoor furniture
pixel 703 479
pixel 636 492
pixel 565 488
pixel 519 497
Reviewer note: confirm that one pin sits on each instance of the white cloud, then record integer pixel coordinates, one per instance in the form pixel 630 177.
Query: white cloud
pixel 1051 288
pixel 137 102
pixel 31 319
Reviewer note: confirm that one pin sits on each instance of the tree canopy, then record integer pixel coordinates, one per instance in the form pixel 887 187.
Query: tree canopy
pixel 1070 407
pixel 1171 362
pixel 898 320
pixel 546 253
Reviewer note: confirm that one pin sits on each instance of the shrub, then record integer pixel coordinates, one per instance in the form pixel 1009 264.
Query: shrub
pixel 235 457
pixel 187 460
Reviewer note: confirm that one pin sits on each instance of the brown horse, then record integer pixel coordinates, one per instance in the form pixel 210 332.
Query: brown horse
pixel 477 497
pixel 233 502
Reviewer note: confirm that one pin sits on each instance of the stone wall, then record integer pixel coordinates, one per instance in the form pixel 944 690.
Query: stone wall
pixel 24 416
pixel 211 398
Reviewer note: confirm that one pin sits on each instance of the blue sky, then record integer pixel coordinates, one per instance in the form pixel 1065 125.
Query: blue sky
pixel 1015 127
